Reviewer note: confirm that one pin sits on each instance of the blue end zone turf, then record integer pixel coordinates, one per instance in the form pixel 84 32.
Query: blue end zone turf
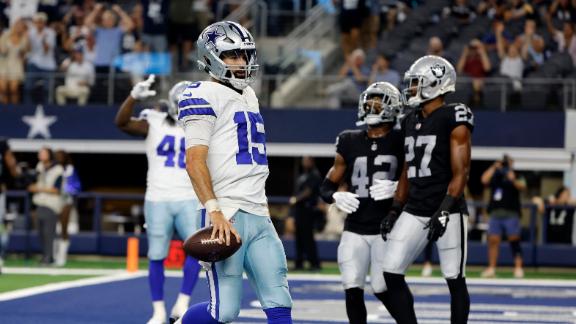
pixel 315 302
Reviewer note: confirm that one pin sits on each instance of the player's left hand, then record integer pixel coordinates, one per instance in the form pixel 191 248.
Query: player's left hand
pixel 142 89
pixel 383 189
pixel 437 225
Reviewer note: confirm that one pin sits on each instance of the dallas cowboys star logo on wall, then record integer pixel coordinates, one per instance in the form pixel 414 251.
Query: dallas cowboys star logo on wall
pixel 39 123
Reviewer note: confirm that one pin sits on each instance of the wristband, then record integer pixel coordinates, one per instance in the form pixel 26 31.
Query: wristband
pixel 212 205
pixel 397 206
pixel 448 203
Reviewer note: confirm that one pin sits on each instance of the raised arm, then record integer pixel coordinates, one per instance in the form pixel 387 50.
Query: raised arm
pixel 126 22
pixel 90 20
pixel 124 120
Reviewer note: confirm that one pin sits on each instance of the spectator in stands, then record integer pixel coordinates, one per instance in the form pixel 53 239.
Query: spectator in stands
pixel 48 201
pixel 518 10
pixel 351 17
pixel 304 209
pixel 435 46
pixel 493 9
pixel 14 44
pixel 108 34
pixel 80 77
pixel 371 25
pixel 155 25
pixel 504 208
pixel 461 10
pixel 381 72
pixel 41 59
pixel 565 38
pixel 489 39
pixel 182 30
pixel 70 188
pixel 563 11
pixel 76 31
pixel 203 13
pixel 474 63
pixel 511 64
pixel 354 77
pixel 534 54
pixel 524 40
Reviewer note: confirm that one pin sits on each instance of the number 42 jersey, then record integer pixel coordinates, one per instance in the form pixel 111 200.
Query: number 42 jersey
pixel 427 148
pixel 237 146
pixel 167 179
pixel 368 159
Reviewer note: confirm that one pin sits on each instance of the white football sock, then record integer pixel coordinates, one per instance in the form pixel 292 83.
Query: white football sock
pixel 181 305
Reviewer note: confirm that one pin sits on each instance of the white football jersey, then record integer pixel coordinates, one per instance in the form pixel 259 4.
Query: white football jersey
pixel 237 147
pixel 167 179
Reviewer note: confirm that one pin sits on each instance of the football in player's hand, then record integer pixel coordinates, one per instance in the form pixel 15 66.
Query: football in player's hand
pixel 201 247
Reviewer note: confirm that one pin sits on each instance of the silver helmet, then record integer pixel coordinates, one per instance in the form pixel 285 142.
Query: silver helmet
pixel 429 77
pixel 227 38
pixel 173 94
pixel 380 103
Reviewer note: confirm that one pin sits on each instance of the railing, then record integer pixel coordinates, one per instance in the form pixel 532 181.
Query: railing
pixel 252 14
pixel 537 93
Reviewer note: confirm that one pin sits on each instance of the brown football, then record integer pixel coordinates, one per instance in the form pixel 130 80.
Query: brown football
pixel 201 247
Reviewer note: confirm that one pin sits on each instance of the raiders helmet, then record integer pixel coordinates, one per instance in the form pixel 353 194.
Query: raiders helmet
pixel 227 38
pixel 380 103
pixel 429 77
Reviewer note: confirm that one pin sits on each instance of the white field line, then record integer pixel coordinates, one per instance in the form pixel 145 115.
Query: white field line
pixel 300 277
pixel 21 293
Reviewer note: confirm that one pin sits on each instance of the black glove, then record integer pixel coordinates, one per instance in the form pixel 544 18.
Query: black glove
pixel 389 220
pixel 439 221
pixel 437 225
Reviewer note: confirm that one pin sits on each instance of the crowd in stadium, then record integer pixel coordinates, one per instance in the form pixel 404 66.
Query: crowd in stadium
pixel 83 38
pixel 512 39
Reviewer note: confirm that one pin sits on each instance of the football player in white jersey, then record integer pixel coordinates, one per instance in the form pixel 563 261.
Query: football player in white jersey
pixel 170 201
pixel 226 160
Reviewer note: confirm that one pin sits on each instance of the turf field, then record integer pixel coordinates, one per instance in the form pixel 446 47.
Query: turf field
pixel 97 290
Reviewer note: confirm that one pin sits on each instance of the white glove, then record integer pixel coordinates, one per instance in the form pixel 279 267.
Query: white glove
pixel 346 201
pixel 142 89
pixel 383 189
pixel 207 266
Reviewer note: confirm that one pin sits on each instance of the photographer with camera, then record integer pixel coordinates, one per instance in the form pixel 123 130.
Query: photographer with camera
pixel 504 209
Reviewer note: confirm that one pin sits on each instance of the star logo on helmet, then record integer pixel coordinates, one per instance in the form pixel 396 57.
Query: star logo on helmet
pixel 438 70
pixel 212 36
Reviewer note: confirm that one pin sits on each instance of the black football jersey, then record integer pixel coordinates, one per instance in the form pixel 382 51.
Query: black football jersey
pixel 427 148
pixel 560 227
pixel 368 159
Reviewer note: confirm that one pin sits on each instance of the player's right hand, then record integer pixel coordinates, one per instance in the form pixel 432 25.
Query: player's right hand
pixel 383 189
pixel 346 201
pixel 222 228
pixel 142 89
pixel 388 223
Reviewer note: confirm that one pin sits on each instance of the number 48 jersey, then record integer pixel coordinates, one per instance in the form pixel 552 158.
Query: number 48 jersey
pixel 427 148
pixel 167 179
pixel 368 159
pixel 237 146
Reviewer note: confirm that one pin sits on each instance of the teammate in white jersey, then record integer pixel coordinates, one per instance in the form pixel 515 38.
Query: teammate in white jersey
pixel 226 160
pixel 170 201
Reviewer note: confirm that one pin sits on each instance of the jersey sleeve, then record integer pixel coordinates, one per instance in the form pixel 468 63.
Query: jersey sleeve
pixel 196 102
pixel 460 114
pixel 152 116
pixel 341 143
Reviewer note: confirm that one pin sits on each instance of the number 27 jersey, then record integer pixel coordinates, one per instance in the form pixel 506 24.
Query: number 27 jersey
pixel 427 149
pixel 237 147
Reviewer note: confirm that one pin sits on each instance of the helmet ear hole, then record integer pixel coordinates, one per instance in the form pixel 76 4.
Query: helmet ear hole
pixel 433 84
